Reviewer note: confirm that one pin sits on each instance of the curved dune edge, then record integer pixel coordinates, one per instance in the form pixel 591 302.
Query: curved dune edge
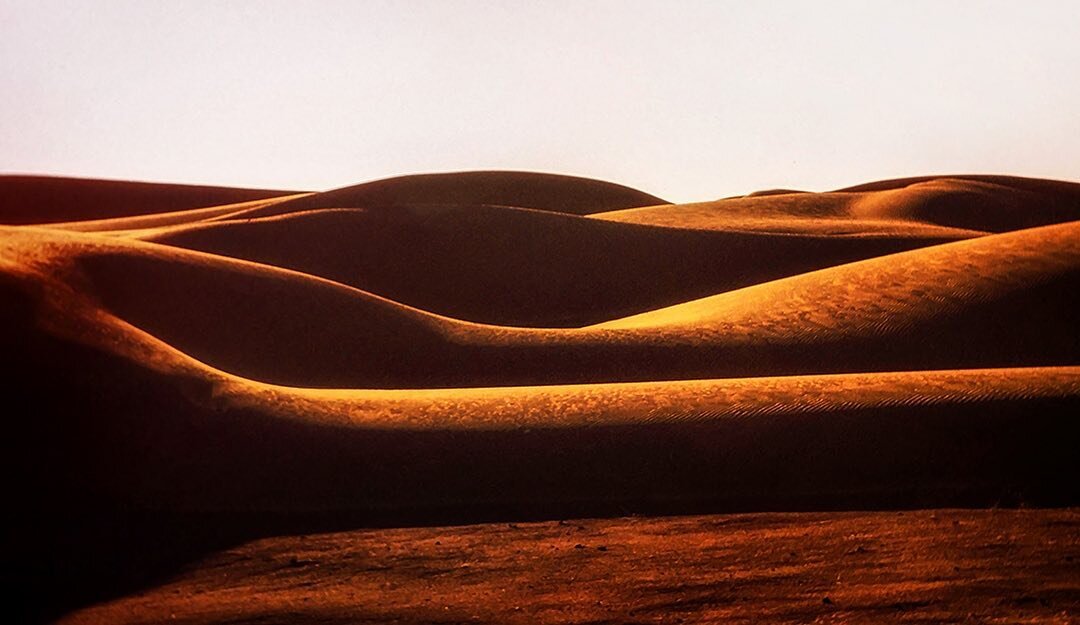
pixel 522 267
pixel 38 199
pixel 582 405
pixel 941 307
pixel 1019 182
pixel 136 225
pixel 788 442
pixel 935 206
pixel 539 191
pixel 78 318
pixel 959 273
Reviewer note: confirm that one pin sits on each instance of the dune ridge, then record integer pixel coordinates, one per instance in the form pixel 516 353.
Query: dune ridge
pixel 513 266
pixel 131 226
pixel 741 443
pixel 953 206
pixel 992 301
pixel 549 192
pixel 33 199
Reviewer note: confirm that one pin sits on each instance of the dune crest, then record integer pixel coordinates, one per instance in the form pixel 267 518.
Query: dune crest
pixel 512 266
pixel 992 301
pixel 960 207
pixel 548 192
pixel 52 199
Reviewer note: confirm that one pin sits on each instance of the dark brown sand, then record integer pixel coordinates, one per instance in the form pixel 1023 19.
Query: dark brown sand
pixel 997 566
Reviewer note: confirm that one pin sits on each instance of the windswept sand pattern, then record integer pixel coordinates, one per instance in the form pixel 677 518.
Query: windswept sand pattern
pixel 511 346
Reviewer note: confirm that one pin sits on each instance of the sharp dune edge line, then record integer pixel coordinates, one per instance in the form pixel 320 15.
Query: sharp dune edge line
pixel 513 266
pixel 50 199
pixel 134 225
pixel 503 407
pixel 577 405
pixel 855 307
pixel 1021 258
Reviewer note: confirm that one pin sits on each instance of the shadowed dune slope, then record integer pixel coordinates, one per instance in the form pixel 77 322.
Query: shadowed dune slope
pixel 138 423
pixel 255 320
pixel 47 199
pixel 992 301
pixel 512 266
pixel 927 207
pixel 548 192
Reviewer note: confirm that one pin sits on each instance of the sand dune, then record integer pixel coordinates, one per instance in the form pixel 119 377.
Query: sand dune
pixel 197 376
pixel 958 207
pixel 47 199
pixel 135 224
pixel 548 192
pixel 512 266
pixel 773 442
pixel 993 301
pixel 1038 185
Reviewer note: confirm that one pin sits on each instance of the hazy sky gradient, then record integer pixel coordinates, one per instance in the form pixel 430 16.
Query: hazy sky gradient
pixel 687 100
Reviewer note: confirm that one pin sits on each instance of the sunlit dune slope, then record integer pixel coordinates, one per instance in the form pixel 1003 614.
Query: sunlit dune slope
pixel 135 224
pixel 512 266
pixel 548 192
pixel 47 199
pixel 121 416
pixel 256 320
pixel 997 300
pixel 918 207
pixel 1038 185
pixel 992 301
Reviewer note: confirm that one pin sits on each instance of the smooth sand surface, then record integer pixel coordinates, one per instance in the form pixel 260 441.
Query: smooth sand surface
pixel 512 266
pixel 933 207
pixel 136 224
pixel 548 192
pixel 484 346
pixel 994 301
pixel 48 199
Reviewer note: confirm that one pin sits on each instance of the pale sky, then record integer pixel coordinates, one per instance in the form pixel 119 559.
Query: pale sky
pixel 686 100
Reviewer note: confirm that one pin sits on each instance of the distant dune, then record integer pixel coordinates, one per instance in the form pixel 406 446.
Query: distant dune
pixel 512 266
pixel 954 206
pixel 46 199
pixel 504 345
pixel 136 223
pixel 548 192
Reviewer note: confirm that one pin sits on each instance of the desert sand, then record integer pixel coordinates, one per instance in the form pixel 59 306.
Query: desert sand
pixel 197 368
